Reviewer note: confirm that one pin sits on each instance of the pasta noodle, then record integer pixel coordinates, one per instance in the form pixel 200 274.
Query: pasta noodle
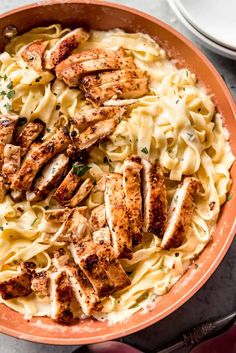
pixel 176 123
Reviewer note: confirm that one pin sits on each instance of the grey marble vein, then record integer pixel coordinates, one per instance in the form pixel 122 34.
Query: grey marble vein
pixel 217 297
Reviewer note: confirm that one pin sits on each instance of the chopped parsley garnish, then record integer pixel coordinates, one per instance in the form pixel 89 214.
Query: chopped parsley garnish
pixel 229 197
pixel 39 78
pixel 191 137
pixel 4 77
pixel 58 106
pixel 144 150
pixel 10 85
pixel 80 169
pixel 1 228
pixel 34 221
pixel 48 129
pixel 22 121
pixel 176 198
pixel 196 266
pixel 3 93
pixel 10 94
pixel 7 106
pixel 177 101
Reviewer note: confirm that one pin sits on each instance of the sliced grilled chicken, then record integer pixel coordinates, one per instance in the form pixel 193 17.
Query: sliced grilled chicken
pixel 51 176
pixel 18 286
pixel 126 84
pixel 7 126
pixel 40 283
pixel 83 290
pixel 89 117
pixel 27 136
pixel 67 188
pixel 64 47
pixel 84 252
pixel 98 131
pixel 98 217
pixel 180 213
pixel 17 195
pixel 81 194
pixel 2 188
pixel 37 158
pixel 112 266
pixel 33 54
pixel 94 60
pixel 116 215
pixel 11 162
pixel 60 215
pixel 62 298
pixel 102 236
pixel 133 196
pixel 154 199
pixel 101 184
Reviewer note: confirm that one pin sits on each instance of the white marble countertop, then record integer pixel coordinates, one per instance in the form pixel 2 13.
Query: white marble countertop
pixel 217 297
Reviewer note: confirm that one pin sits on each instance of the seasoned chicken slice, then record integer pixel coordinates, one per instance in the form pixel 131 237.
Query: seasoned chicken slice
pixel 35 160
pixel 112 266
pixel 64 47
pixel 2 188
pixel 27 136
pixel 83 290
pixel 20 285
pixel 67 188
pixel 98 217
pixel 81 194
pixel 180 213
pixel 95 60
pixel 62 298
pixel 33 54
pixel 98 131
pixel 125 87
pixel 40 283
pixel 11 162
pixel 133 196
pixel 17 195
pixel 51 176
pixel 154 199
pixel 83 120
pixel 83 252
pixel 7 126
pixel 116 215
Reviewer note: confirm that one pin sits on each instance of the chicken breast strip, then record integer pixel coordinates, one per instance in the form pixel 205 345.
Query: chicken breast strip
pixel 67 188
pixel 125 88
pixel 40 283
pixel 112 266
pixel 180 213
pixel 83 191
pixel 133 196
pixel 11 163
pixel 117 217
pixel 7 126
pixel 98 217
pixel 51 176
pixel 60 215
pixel 83 120
pixel 154 199
pixel 20 285
pixel 2 188
pixel 64 47
pixel 92 134
pixel 35 160
pixel 29 133
pixel 33 54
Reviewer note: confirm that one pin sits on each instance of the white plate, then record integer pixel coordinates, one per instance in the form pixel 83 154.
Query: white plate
pixel 200 37
pixel 216 19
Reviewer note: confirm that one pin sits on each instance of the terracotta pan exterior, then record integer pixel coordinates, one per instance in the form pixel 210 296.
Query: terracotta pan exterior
pixel 104 16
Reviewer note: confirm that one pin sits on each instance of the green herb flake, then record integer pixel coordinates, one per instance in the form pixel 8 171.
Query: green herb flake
pixel 8 107
pixel 80 169
pixel 229 197
pixel 34 221
pixel 55 94
pixel 10 94
pixel 176 199
pixel 3 93
pixel 144 150
pixel 38 79
pixel 10 85
pixel 1 228
pixel 177 101
pixel 48 129
pixel 196 266
pixel 191 137
pixel 5 77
